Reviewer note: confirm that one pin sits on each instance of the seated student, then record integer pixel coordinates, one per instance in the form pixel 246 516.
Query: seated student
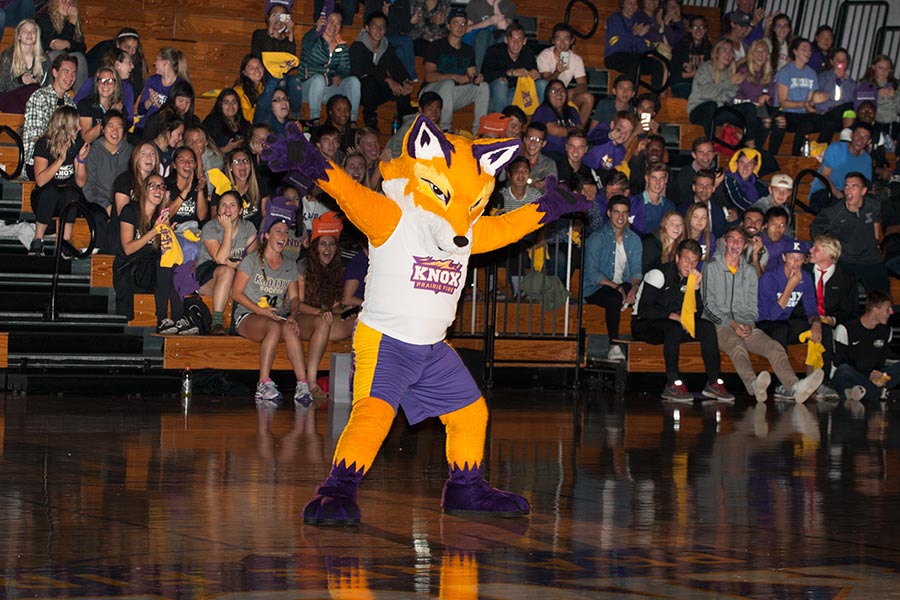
pixel 118 61
pixel 704 193
pixel 321 290
pixel 659 246
pixel 541 165
pixel 856 223
pixel 367 144
pixel 430 105
pixel 59 22
pixel 618 101
pixel 249 85
pixel 206 152
pixel 105 95
pixel 171 66
pixel 573 163
pixel 505 63
pixel 787 300
pixel 774 236
pixel 615 183
pixel 400 23
pixel 266 291
pixel 59 174
pixel 277 36
pixel 560 62
pixel 325 66
pixel 780 187
pixel 657 319
pixel 612 268
pixel 862 347
pixel 609 143
pixel 518 193
pixel 730 301
pixel 355 278
pixel 558 116
pixel 107 159
pixel 697 228
pixel 837 300
pixel 169 136
pixel 24 68
pixel 647 106
pixel 328 140
pixel 188 202
pixel 742 186
pixel 179 103
pixel 224 241
pixel 704 158
pixel 127 40
pixel 840 159
pixel 382 77
pixel 655 202
pixel 337 115
pixel 650 149
pixel 753 222
pixel 225 124
pixel 137 265
pixel 687 55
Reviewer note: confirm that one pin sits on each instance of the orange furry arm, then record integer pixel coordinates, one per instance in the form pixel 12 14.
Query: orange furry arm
pixel 376 215
pixel 491 233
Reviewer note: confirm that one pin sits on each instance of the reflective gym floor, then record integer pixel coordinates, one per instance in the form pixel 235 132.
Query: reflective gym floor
pixel 137 499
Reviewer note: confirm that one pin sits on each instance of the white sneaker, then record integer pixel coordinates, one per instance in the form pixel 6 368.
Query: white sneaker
pixel 855 394
pixel 615 353
pixel 761 386
pixel 804 388
pixel 826 393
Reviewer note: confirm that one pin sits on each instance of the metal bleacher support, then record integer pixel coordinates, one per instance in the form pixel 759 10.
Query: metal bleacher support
pixel 855 18
pixel 822 12
pixel 791 8
pixel 887 42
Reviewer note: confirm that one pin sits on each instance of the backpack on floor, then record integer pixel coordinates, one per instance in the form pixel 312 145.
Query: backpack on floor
pixel 198 313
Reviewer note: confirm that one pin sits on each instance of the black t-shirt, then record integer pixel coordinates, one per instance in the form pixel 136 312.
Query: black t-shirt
pixel 89 107
pixel 188 209
pixel 66 173
pixel 864 349
pixel 131 214
pixel 450 60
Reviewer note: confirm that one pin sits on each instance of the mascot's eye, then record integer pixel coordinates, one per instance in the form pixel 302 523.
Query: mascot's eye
pixel 438 192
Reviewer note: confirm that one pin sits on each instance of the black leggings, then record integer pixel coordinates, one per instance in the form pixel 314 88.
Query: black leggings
pixel 134 276
pixel 49 200
pixel 801 124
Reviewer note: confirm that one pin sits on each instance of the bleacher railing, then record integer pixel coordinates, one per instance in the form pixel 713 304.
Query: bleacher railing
pixel 83 210
pixel 853 29
pixel 522 304
pixel 6 173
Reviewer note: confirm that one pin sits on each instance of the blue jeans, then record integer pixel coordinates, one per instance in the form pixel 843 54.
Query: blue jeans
pixel 847 376
pixel 317 93
pixel 403 46
pixel 502 94
pixel 480 40
pixel 292 86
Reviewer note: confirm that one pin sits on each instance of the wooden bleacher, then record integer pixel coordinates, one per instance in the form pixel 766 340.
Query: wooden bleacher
pixel 230 353
pixel 4 350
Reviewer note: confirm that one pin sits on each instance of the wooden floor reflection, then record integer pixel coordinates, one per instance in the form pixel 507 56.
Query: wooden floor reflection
pixel 108 498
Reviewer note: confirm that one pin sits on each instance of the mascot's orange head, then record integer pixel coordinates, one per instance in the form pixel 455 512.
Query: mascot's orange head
pixel 447 176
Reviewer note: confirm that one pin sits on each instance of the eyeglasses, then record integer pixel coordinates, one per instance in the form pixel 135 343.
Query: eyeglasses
pixel 558 90
pixel 534 138
pixel 240 161
pixel 152 187
pixel 699 27
pixel 106 80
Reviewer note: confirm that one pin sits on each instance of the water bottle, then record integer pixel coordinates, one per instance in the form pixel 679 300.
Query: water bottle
pixel 395 126
pixel 806 148
pixel 187 389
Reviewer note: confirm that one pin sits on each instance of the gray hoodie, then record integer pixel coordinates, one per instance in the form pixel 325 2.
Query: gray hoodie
pixel 102 169
pixel 728 297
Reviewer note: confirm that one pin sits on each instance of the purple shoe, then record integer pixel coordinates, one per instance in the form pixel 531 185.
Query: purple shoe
pixel 335 500
pixel 466 492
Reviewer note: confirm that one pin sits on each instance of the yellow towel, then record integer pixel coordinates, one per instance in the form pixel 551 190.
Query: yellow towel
pixel 220 181
pixel 279 63
pixel 171 249
pixel 689 306
pixel 814 351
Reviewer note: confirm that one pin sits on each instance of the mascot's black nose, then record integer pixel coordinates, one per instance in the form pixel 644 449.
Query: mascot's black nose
pixel 461 241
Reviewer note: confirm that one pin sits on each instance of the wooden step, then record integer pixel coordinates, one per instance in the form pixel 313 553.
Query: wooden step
pixel 230 352
pixel 648 358
pixel 145 311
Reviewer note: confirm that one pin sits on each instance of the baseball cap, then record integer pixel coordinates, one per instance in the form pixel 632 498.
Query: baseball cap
pixel 783 181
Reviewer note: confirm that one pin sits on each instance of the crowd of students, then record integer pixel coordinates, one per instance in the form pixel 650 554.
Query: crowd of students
pixel 130 146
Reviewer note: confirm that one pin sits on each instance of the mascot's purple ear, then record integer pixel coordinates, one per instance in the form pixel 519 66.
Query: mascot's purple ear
pixel 492 157
pixel 424 141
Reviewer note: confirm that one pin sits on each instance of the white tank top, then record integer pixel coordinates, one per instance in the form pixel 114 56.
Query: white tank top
pixel 412 288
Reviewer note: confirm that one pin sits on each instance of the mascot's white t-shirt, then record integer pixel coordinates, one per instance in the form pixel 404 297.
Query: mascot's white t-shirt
pixel 431 285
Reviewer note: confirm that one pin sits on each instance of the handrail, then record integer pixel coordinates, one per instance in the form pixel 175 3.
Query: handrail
pixel 797 179
pixel 654 56
pixel 20 163
pixel 594 25
pixel 711 126
pixel 52 313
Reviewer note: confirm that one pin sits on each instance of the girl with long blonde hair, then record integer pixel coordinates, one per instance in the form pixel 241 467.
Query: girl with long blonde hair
pixel 59 173
pixel 23 68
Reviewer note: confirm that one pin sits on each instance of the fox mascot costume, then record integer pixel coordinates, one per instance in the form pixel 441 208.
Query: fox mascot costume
pixel 421 233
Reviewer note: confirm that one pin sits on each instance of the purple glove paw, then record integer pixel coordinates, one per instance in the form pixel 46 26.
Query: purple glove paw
pixel 293 153
pixel 559 200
